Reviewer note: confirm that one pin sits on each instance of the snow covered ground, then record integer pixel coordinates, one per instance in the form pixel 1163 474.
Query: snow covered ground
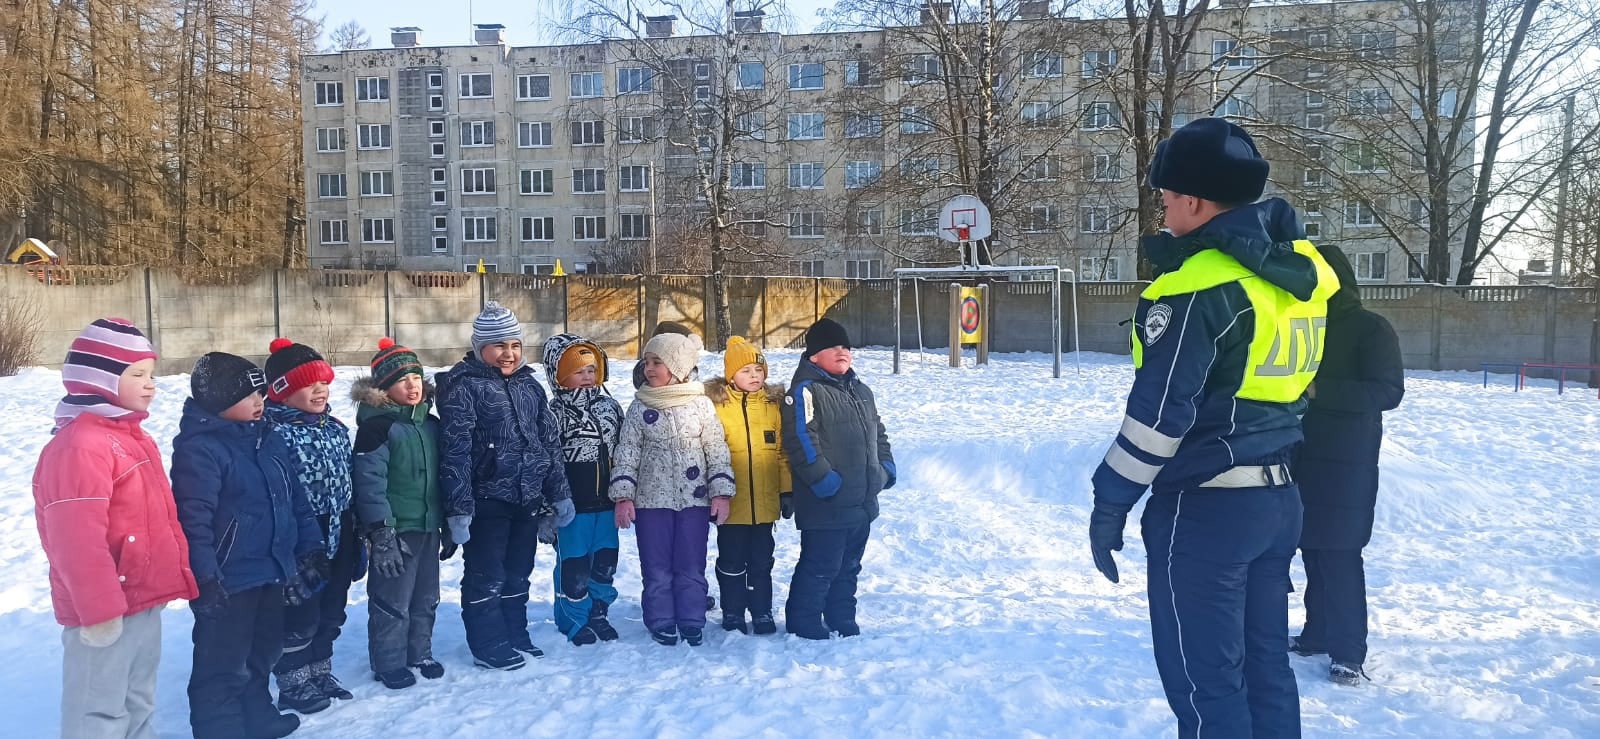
pixel 982 612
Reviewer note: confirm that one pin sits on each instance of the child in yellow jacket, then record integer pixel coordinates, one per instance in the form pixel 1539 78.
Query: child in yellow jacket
pixel 749 409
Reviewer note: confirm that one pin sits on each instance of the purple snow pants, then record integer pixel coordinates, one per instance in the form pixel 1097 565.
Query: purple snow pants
pixel 672 559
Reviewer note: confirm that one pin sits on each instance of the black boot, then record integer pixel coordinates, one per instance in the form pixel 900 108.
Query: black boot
pixel 597 621
pixel 276 727
pixel 692 636
pixel 322 677
pixel 734 622
pixel 763 624
pixel 499 657
pixel 666 636
pixel 298 691
pixel 396 679
pixel 429 668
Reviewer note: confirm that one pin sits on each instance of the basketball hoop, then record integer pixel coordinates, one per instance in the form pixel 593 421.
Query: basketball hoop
pixel 964 233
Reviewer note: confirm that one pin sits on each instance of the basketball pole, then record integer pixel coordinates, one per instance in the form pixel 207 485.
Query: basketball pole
pixel 955 324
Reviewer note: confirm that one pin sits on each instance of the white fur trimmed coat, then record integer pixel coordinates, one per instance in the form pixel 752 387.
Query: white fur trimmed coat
pixel 673 458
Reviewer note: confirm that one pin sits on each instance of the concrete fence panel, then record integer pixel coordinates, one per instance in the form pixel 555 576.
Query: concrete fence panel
pixel 1104 309
pixel 538 302
pixel 1411 310
pixel 340 313
pixel 1573 324
pixel 790 305
pixel 680 299
pixel 192 318
pixel 1018 317
pixel 432 312
pixel 605 310
pixel 1491 324
pixel 66 299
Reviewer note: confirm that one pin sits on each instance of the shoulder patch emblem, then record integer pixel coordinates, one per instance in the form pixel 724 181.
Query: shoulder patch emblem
pixel 1156 322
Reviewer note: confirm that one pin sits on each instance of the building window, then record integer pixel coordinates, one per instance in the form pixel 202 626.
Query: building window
pixel 748 175
pixel 588 181
pixel 377 184
pixel 1095 269
pixel 1364 157
pixel 330 139
pixel 867 222
pixel 335 232
pixel 1042 169
pixel 1098 62
pixel 1042 63
pixel 588 133
pixel 436 80
pixel 477 181
pixel 1236 106
pixel 539 228
pixel 437 176
pixel 543 266
pixel 1313 177
pixel 1040 113
pixel 863 269
pixel 477 228
pixel 1313 229
pixel 805 126
pixel 1419 212
pixel 924 68
pixel 1315 99
pixel 477 133
pixel 633 178
pixel 533 87
pixel 863 125
pixel 805 224
pixel 751 125
pixel 1103 167
pixel 860 73
pixel 441 223
pixel 476 85
pixel 919 168
pixel 1371 101
pixel 372 89
pixel 1094 219
pixel 806 76
pixel 636 129
pixel 1041 219
pixel 914 121
pixel 587 84
pixel 805 175
pixel 372 136
pixel 439 197
pixel 702 93
pixel 1232 54
pixel 435 128
pixel 634 81
pixel 489 267
pixel 588 228
pixel 1372 266
pixel 1360 213
pixel 533 134
pixel 435 102
pixel 441 244
pixel 538 182
pixel 633 226
pixel 1373 44
pixel 1417 266
pixel 331 186
pixel 752 76
pixel 1099 116
pixel 702 71
pixel 377 230
pixel 330 93
pixel 1316 121
pixel 918 221
pixel 859 174
pixel 809 268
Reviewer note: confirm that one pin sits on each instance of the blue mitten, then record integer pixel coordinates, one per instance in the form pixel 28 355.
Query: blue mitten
pixel 888 468
pixel 828 486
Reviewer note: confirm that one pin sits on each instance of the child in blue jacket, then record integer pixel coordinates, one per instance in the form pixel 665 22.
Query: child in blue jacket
pixel 253 543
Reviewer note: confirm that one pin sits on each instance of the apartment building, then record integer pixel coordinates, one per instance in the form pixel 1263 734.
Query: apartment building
pixel 828 154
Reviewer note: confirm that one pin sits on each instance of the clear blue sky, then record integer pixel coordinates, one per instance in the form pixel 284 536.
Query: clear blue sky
pixel 449 22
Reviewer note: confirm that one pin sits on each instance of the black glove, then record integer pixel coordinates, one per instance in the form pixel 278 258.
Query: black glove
pixel 310 579
pixel 212 601
pixel 447 545
pixel 786 504
pixel 547 530
pixel 388 552
pixel 1105 536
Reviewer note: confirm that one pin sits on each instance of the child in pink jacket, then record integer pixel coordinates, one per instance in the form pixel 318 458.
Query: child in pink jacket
pixel 110 530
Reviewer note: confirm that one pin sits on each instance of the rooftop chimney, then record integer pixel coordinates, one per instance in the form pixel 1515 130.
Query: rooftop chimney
pixel 936 10
pixel 1033 9
pixel 659 26
pixel 748 21
pixel 488 34
pixel 404 37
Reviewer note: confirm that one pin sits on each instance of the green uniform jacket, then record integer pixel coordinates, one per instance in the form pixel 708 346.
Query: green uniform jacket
pixel 395 467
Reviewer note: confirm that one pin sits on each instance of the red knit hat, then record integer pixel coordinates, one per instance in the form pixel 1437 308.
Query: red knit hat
pixel 293 366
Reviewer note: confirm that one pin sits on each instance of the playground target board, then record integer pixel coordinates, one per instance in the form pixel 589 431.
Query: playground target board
pixel 970 317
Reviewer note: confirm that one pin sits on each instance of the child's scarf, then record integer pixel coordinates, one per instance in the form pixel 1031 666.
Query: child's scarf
pixel 670 396
pixel 321 447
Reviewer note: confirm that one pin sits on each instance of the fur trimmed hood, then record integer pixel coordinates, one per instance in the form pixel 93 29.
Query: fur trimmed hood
pixel 717 389
pixel 365 392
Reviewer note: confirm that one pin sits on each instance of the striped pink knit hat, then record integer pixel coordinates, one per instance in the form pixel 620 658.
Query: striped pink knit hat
pixel 94 367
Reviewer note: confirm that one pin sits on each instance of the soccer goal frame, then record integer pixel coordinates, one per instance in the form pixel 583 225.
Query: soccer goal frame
pixel 918 275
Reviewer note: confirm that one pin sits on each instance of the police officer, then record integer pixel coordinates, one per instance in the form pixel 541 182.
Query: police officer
pixel 1225 341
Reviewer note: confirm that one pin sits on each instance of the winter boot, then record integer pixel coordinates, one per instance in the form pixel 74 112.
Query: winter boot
pixel 734 622
pixel 522 643
pixel 813 631
pixel 711 603
pixel 1348 675
pixel 430 669
pixel 666 636
pixel 277 727
pixel 762 624
pixel 396 679
pixel 584 635
pixel 692 636
pixel 1305 649
pixel 499 657
pixel 845 628
pixel 322 677
pixel 298 691
pixel 597 621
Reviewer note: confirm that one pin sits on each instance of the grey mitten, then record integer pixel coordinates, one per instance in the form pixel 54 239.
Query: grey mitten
pixel 565 512
pixel 547 529
pixel 101 635
pixel 460 529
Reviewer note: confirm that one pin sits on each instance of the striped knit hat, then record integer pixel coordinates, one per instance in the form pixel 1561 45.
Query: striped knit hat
pixel 495 324
pixel 94 367
pixel 393 362
pixel 293 366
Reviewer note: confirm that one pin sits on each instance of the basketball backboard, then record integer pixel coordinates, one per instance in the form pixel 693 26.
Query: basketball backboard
pixel 964 218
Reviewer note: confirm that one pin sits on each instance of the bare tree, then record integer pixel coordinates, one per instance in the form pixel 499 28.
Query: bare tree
pixel 349 35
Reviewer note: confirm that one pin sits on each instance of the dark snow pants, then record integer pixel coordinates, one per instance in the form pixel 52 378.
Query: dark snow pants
pixel 824 584
pixel 400 610
pixel 1219 608
pixel 586 565
pixel 233 656
pixel 1336 604
pixel 496 563
pixel 744 568
pixel 672 562
pixel 310 628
